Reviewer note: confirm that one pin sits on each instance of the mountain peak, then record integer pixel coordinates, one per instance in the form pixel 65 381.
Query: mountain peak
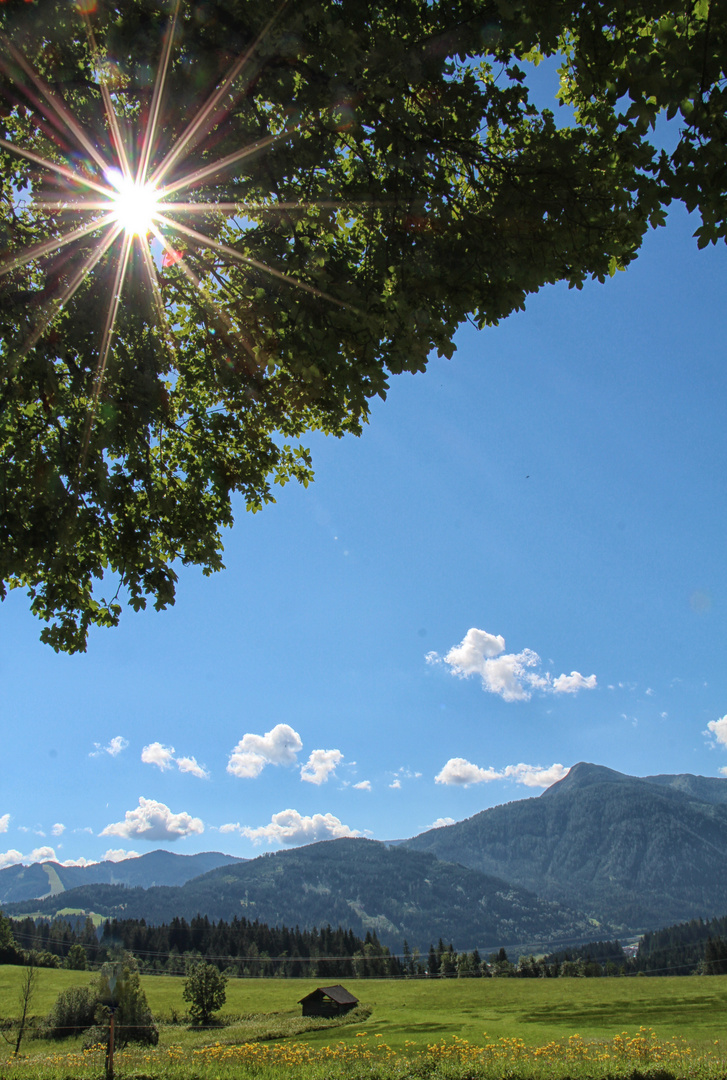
pixel 585 774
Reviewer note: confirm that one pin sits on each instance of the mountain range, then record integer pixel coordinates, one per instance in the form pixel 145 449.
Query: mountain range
pixel 598 854
pixel 155 868
pixel 635 853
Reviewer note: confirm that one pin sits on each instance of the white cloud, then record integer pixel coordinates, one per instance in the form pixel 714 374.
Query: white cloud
pixel 163 757
pixel 290 827
pixel 231 826
pixel 441 822
pixel 10 858
pixel 58 829
pixel 154 821
pixel 459 771
pixel 403 773
pixel 718 729
pixel 118 855
pixel 320 765
pixel 43 854
pixel 13 857
pixel 511 675
pixel 117 744
pixel 4 822
pixel 571 684
pixel 280 746
pixel 723 770
pixel 39 854
pixel 191 765
pixel 535 775
pixel 462 772
pixel 363 785
pixel 157 754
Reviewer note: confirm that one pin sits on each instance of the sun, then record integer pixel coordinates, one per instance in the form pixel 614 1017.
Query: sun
pixel 134 204
pixel 132 193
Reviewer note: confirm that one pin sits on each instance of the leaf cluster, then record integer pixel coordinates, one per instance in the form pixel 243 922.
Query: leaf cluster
pixel 398 178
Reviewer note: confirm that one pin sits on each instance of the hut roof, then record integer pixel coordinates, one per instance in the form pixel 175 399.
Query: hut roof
pixel 337 993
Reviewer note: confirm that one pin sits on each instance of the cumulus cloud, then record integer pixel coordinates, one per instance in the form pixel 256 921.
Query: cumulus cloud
pixel 718 729
pixel 118 855
pixel 535 775
pixel 4 822
pixel 441 822
pixel 363 785
pixel 163 757
pixel 514 676
pixel 571 684
pixel 280 746
pixel 157 754
pixel 81 861
pixel 320 765
pixel 723 770
pixel 290 827
pixel 10 858
pixel 396 784
pixel 13 857
pixel 191 765
pixel 231 826
pixel 58 829
pixel 460 772
pixel 114 748
pixel 43 854
pixel 154 821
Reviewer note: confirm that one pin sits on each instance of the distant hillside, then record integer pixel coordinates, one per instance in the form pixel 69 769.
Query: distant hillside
pixel 636 853
pixel 18 883
pixel 707 788
pixel 359 884
pixel 683 949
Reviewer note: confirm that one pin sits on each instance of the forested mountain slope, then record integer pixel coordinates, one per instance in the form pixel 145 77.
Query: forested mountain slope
pixel 155 868
pixel 361 884
pixel 638 853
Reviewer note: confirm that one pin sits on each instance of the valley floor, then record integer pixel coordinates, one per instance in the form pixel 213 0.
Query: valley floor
pixel 482 1029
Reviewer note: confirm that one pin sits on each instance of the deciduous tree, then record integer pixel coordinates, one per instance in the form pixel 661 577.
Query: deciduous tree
pixel 333 186
pixel 205 990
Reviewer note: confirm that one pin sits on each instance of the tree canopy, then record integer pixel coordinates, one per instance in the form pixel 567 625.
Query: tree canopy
pixel 336 186
pixel 205 990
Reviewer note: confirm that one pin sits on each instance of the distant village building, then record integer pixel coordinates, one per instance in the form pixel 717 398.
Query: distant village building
pixel 328 1001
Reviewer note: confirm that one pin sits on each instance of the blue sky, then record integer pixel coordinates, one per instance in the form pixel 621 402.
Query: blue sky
pixel 384 649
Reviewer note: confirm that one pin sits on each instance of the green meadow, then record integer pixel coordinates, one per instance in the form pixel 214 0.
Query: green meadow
pixel 402 1019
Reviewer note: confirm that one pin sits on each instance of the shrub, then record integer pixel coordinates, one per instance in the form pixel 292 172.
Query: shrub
pixel 72 1013
pixel 88 1008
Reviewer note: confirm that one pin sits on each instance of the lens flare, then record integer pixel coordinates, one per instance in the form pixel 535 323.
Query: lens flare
pixel 131 194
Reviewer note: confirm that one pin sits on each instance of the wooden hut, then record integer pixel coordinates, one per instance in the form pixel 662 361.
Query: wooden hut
pixel 328 1001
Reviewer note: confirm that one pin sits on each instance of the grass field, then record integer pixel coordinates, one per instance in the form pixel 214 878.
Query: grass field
pixel 521 1017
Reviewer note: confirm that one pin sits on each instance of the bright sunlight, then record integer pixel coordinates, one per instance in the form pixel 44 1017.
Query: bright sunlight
pixel 134 205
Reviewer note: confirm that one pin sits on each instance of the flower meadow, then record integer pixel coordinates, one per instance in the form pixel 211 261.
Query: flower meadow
pixel 638 1056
